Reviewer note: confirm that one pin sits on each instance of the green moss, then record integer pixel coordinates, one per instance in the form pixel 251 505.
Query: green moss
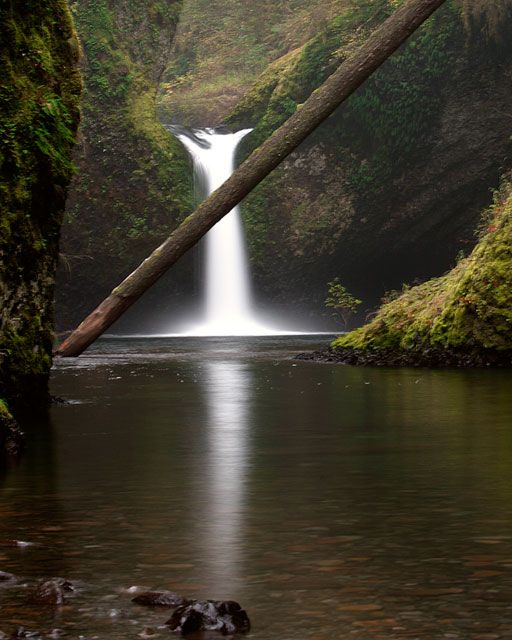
pixel 257 217
pixel 39 112
pixel 372 137
pixel 469 307
pixel 345 201
pixel 11 437
pixel 253 105
pixel 4 409
pixel 6 420
pixel 221 47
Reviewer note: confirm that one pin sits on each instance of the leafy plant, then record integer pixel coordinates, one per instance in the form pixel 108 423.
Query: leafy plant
pixel 341 300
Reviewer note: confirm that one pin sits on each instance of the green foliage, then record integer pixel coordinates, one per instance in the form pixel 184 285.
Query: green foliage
pixel 469 307
pixel 371 145
pixel 257 221
pixel 5 422
pixel 253 105
pixel 308 68
pixel 383 122
pixel 341 300
pixel 33 107
pixel 393 294
pixel 222 46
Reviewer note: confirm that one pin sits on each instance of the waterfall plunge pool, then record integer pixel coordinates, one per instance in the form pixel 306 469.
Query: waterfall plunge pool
pixel 331 501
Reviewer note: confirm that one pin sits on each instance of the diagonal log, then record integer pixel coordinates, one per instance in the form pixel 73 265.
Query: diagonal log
pixel 323 101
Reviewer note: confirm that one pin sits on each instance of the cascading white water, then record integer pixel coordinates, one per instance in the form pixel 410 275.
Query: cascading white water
pixel 229 309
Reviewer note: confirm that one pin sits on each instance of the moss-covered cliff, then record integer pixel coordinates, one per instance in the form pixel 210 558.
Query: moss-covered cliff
pixel 389 188
pixel 465 315
pixel 39 92
pixel 133 183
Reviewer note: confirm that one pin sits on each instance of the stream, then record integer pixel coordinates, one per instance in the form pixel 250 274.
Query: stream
pixel 332 502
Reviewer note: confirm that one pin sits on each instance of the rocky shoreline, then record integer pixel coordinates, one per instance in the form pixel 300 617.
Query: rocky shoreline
pixel 224 617
pixel 432 358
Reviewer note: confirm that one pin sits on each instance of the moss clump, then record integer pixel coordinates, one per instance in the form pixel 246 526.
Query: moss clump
pixel 468 308
pixel 11 438
pixel 134 181
pixel 253 105
pixel 39 111
pixel 6 420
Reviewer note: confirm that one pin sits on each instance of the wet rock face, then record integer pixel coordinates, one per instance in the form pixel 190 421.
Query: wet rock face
pixel 11 436
pixel 34 181
pixel 14 441
pixel 226 617
pixel 52 592
pixel 160 599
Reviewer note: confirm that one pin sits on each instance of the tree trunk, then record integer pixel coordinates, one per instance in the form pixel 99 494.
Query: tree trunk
pixel 335 90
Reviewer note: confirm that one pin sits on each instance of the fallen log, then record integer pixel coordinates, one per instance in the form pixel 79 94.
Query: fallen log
pixel 323 101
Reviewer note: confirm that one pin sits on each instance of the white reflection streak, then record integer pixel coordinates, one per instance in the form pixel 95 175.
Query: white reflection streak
pixel 228 401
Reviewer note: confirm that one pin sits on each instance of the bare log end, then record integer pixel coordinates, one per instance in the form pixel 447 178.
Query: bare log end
pixel 93 326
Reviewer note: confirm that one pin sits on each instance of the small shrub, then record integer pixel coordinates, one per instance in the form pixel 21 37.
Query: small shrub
pixel 341 301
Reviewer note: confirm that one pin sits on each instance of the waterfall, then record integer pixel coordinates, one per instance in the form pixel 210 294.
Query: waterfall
pixel 229 308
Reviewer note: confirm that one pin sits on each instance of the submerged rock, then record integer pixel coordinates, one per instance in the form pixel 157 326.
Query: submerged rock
pixel 51 592
pixel 160 599
pixel 21 544
pixel 226 617
pixel 6 578
pixel 21 632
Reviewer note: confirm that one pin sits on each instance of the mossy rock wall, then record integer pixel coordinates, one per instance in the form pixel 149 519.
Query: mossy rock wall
pixel 134 182
pixel 390 187
pixel 468 308
pixel 39 111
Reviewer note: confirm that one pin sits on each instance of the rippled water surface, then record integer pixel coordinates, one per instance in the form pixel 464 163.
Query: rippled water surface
pixel 330 501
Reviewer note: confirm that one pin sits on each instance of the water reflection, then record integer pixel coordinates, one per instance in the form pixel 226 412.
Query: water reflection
pixel 328 500
pixel 228 393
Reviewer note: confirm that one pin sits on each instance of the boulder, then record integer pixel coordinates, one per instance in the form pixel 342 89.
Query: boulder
pixel 51 592
pixel 226 617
